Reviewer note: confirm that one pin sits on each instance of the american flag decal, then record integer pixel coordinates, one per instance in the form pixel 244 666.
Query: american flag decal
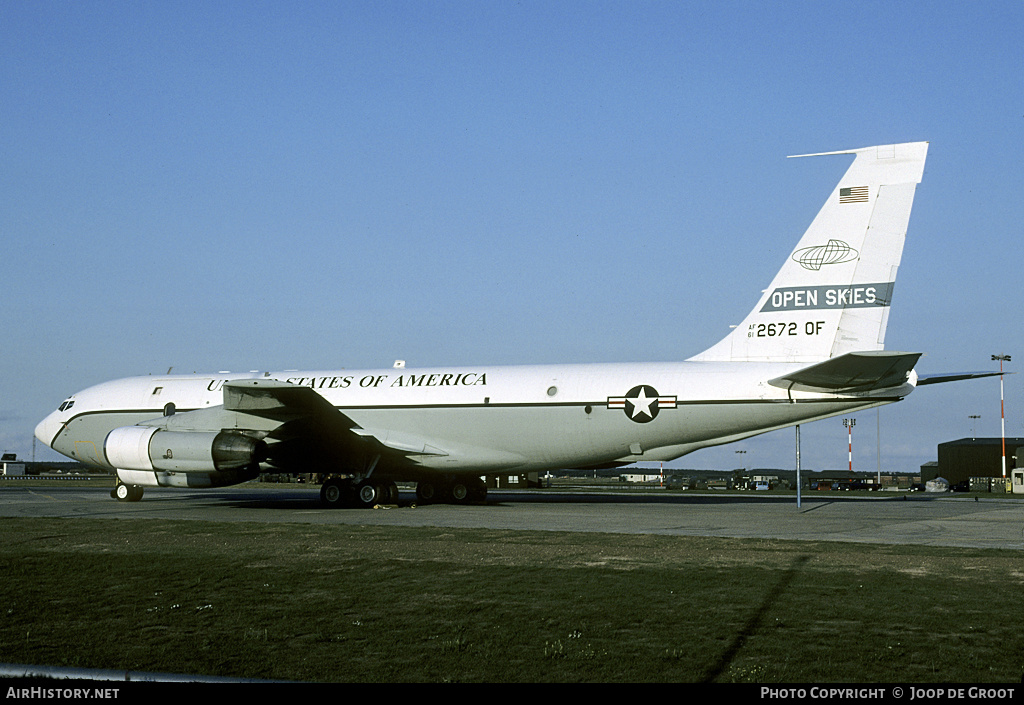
pixel 853 194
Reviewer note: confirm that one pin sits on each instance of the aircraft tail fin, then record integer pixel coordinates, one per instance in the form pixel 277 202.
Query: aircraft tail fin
pixel 833 292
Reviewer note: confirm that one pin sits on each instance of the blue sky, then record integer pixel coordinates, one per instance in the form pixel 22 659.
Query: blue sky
pixel 246 185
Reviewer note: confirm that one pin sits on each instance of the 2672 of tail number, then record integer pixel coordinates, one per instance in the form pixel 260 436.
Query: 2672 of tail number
pixel 775 330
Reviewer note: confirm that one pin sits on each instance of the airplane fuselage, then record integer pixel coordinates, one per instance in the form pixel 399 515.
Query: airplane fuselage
pixel 486 419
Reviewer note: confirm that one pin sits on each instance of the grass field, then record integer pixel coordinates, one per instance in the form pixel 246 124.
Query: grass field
pixel 380 604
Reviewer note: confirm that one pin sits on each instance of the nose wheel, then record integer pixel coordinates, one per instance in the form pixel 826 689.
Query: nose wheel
pixel 126 493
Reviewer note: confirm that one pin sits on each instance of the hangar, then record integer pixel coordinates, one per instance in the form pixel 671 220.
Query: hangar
pixel 965 458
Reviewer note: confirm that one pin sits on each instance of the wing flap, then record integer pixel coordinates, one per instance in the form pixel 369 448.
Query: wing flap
pixel 403 443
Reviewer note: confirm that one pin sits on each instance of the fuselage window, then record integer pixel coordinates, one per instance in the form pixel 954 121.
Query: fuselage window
pixel 169 409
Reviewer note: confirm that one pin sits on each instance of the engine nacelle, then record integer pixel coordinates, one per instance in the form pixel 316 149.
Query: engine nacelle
pixel 148 448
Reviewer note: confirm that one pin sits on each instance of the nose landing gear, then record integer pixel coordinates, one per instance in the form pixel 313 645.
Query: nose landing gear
pixel 126 493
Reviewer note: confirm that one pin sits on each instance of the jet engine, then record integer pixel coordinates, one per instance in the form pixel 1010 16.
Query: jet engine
pixel 148 448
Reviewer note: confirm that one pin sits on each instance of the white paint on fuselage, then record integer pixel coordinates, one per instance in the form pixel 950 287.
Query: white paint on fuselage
pixel 532 417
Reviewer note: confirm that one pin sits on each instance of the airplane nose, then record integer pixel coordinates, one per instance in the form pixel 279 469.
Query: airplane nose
pixel 46 430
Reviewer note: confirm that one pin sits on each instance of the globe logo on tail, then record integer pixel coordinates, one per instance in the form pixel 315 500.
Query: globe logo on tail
pixel 835 252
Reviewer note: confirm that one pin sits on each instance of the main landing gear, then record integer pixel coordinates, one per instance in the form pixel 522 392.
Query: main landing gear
pixel 346 492
pixel 461 490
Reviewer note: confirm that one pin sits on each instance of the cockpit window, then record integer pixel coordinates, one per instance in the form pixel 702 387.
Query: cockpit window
pixel 66 405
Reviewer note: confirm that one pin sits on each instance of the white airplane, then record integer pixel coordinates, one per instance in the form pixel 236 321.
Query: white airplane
pixel 811 348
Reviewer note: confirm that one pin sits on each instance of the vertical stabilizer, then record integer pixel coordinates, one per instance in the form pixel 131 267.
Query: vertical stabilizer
pixel 833 293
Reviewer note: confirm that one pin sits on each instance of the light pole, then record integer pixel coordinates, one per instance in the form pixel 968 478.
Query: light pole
pixel 974 422
pixel 741 453
pixel 743 461
pixel 798 466
pixel 1002 414
pixel 878 446
pixel 850 423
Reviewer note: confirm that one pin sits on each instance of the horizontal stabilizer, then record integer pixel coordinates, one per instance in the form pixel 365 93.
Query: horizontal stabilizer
pixel 955 377
pixel 852 372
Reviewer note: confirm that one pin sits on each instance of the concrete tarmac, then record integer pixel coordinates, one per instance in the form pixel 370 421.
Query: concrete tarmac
pixel 933 520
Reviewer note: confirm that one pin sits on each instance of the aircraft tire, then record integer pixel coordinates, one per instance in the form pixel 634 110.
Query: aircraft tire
pixel 478 492
pixel 127 493
pixel 426 492
pixel 459 492
pixel 389 493
pixel 467 491
pixel 335 493
pixel 368 494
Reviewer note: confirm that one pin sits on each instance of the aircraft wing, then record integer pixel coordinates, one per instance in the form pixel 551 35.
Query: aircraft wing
pixel 852 372
pixel 313 431
pixel 272 398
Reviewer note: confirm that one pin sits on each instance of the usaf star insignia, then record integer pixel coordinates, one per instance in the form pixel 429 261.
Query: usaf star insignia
pixel 642 403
